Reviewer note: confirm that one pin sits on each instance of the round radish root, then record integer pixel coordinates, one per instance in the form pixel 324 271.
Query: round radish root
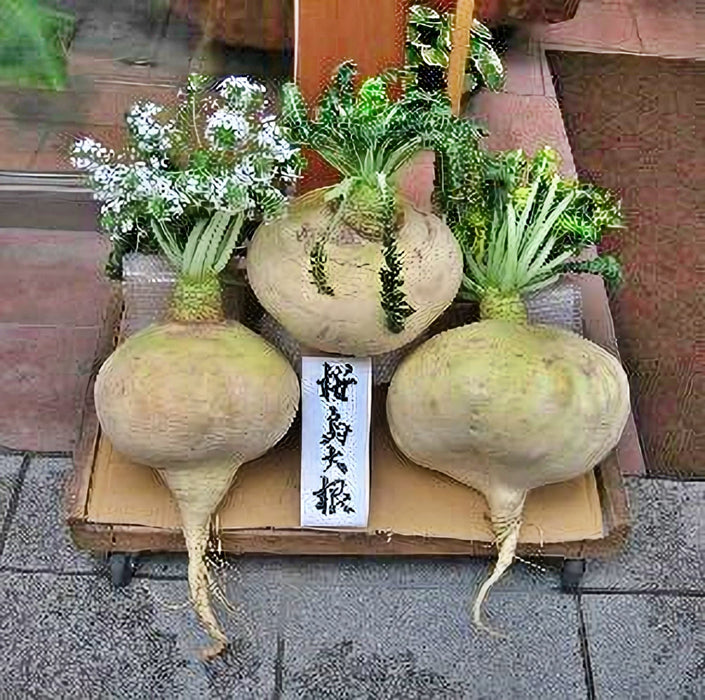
pixel 504 408
pixel 338 309
pixel 196 401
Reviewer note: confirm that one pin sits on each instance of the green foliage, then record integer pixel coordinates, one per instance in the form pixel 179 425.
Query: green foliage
pixel 428 44
pixel 208 248
pixel 507 177
pixel 317 268
pixel 394 304
pixel 522 255
pixel 34 39
pixel 607 266
pixel 365 135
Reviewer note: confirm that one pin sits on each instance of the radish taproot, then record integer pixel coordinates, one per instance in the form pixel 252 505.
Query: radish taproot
pixel 196 397
pixel 504 406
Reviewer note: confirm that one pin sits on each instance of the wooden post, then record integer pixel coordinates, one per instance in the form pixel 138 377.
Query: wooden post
pixel 328 32
pixel 462 24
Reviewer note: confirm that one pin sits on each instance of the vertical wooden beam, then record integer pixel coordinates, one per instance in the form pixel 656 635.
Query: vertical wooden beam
pixel 462 24
pixel 328 32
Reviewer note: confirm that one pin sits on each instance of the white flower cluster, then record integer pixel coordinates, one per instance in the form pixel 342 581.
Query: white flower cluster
pixel 241 91
pixel 88 154
pixel 240 165
pixel 150 135
pixel 226 128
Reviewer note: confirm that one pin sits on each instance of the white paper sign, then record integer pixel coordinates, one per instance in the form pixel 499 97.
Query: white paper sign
pixel 335 441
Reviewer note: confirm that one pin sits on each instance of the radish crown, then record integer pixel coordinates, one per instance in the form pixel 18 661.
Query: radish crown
pixel 197 295
pixel 517 258
pixel 209 246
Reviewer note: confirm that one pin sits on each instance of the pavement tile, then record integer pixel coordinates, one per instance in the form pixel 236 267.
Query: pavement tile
pixel 386 643
pixel 43 375
pixel 666 549
pixel 646 646
pixel 76 637
pixel 524 66
pixel 598 26
pixel 52 278
pixel 9 478
pixel 122 30
pixel 38 537
pixel 18 144
pixel 414 572
pixel 671 29
pixel 529 122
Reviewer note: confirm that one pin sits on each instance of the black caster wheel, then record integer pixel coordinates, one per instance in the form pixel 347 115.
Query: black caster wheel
pixel 572 574
pixel 122 566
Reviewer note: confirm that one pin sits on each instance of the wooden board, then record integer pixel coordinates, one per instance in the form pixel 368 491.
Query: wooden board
pixel 115 505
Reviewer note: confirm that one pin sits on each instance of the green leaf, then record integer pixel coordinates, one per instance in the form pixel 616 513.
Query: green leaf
pixel 424 16
pixel 167 243
pixel 536 286
pixel 481 31
pixel 514 232
pixel 228 243
pixel 478 273
pixel 192 242
pixel 470 82
pixel 434 56
pixel 488 64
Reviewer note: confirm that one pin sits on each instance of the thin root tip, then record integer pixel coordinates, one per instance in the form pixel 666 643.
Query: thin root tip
pixel 212 652
pixel 477 621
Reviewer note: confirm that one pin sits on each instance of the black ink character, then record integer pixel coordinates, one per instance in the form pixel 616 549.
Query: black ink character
pixel 330 458
pixel 336 381
pixel 332 496
pixel 337 428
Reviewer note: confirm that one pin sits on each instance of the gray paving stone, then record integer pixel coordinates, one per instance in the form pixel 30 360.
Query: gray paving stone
pixel 9 475
pixel 420 643
pixel 646 646
pixel 38 537
pixel 666 549
pixel 75 637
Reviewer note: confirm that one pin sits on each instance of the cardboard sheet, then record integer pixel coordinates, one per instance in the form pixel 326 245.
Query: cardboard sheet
pixel 405 499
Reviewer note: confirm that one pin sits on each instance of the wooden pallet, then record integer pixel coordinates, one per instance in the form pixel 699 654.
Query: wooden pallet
pixel 398 523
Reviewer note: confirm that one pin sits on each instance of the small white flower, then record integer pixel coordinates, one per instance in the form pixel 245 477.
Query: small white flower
pixel 150 135
pixel 240 88
pixel 226 128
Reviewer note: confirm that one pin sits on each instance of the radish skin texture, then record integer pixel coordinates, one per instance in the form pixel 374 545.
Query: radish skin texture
pixel 195 401
pixel 506 407
pixel 351 321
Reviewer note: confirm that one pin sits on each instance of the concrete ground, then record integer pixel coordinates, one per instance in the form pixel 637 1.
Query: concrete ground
pixel 350 628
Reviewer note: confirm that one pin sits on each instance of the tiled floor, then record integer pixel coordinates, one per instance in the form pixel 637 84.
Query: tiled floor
pixel 666 28
pixel 330 627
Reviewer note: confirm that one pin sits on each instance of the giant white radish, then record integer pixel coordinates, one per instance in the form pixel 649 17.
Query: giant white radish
pixel 196 397
pixel 504 406
pixel 354 269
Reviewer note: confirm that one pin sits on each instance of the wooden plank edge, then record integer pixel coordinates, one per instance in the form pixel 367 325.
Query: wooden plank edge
pixel 86 445
pixel 135 539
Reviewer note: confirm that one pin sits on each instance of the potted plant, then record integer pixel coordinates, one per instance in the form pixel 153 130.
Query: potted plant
pixel 353 268
pixel 214 152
